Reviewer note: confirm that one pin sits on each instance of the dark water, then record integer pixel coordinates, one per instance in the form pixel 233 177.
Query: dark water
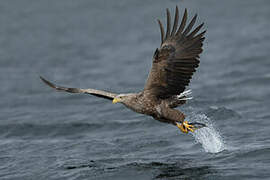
pixel 109 45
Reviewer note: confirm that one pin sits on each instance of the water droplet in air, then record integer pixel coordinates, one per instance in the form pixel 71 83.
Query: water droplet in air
pixel 208 137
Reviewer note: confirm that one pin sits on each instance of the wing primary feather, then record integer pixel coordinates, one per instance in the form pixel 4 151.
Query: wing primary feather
pixel 161 30
pixel 183 23
pixel 191 24
pixel 195 41
pixel 47 82
pixel 193 33
pixel 168 24
pixel 175 24
pixel 199 36
pixel 59 88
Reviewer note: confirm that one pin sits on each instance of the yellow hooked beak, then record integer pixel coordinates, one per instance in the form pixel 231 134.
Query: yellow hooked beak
pixel 115 100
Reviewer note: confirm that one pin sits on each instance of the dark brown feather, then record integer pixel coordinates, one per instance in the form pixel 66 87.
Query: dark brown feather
pixel 175 24
pixel 161 30
pixel 183 23
pixel 168 24
pixel 195 31
pixel 191 24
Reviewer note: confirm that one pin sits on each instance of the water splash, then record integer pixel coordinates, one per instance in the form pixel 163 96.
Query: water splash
pixel 208 137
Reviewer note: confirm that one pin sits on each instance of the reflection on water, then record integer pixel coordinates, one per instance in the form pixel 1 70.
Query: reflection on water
pixel 177 171
pixel 159 170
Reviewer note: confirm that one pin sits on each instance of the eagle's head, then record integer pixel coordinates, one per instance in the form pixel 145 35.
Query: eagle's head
pixel 124 98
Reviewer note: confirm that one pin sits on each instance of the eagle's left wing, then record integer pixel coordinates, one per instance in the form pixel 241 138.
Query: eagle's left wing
pixel 98 93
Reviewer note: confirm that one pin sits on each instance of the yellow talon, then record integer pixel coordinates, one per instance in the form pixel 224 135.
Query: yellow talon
pixel 185 127
pixel 182 128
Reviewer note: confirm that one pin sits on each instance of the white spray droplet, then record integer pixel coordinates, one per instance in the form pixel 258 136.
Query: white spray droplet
pixel 208 137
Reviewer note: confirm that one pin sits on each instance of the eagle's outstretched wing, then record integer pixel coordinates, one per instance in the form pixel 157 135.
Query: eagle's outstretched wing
pixel 177 58
pixel 98 93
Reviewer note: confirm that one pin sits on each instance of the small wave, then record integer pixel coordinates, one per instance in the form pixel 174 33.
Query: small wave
pixel 208 137
pixel 69 130
pixel 221 113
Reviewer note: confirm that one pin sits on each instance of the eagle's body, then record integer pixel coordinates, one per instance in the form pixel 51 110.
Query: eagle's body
pixel 173 65
pixel 146 103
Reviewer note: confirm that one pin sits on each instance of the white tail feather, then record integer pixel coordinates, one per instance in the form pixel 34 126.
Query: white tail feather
pixel 183 95
pixel 184 99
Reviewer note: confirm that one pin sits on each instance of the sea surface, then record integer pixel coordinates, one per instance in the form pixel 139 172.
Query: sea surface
pixel 109 45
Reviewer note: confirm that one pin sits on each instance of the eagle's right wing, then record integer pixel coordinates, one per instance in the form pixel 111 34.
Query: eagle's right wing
pixel 98 93
pixel 177 58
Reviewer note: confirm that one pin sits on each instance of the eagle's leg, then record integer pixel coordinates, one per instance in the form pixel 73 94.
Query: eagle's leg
pixel 177 118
